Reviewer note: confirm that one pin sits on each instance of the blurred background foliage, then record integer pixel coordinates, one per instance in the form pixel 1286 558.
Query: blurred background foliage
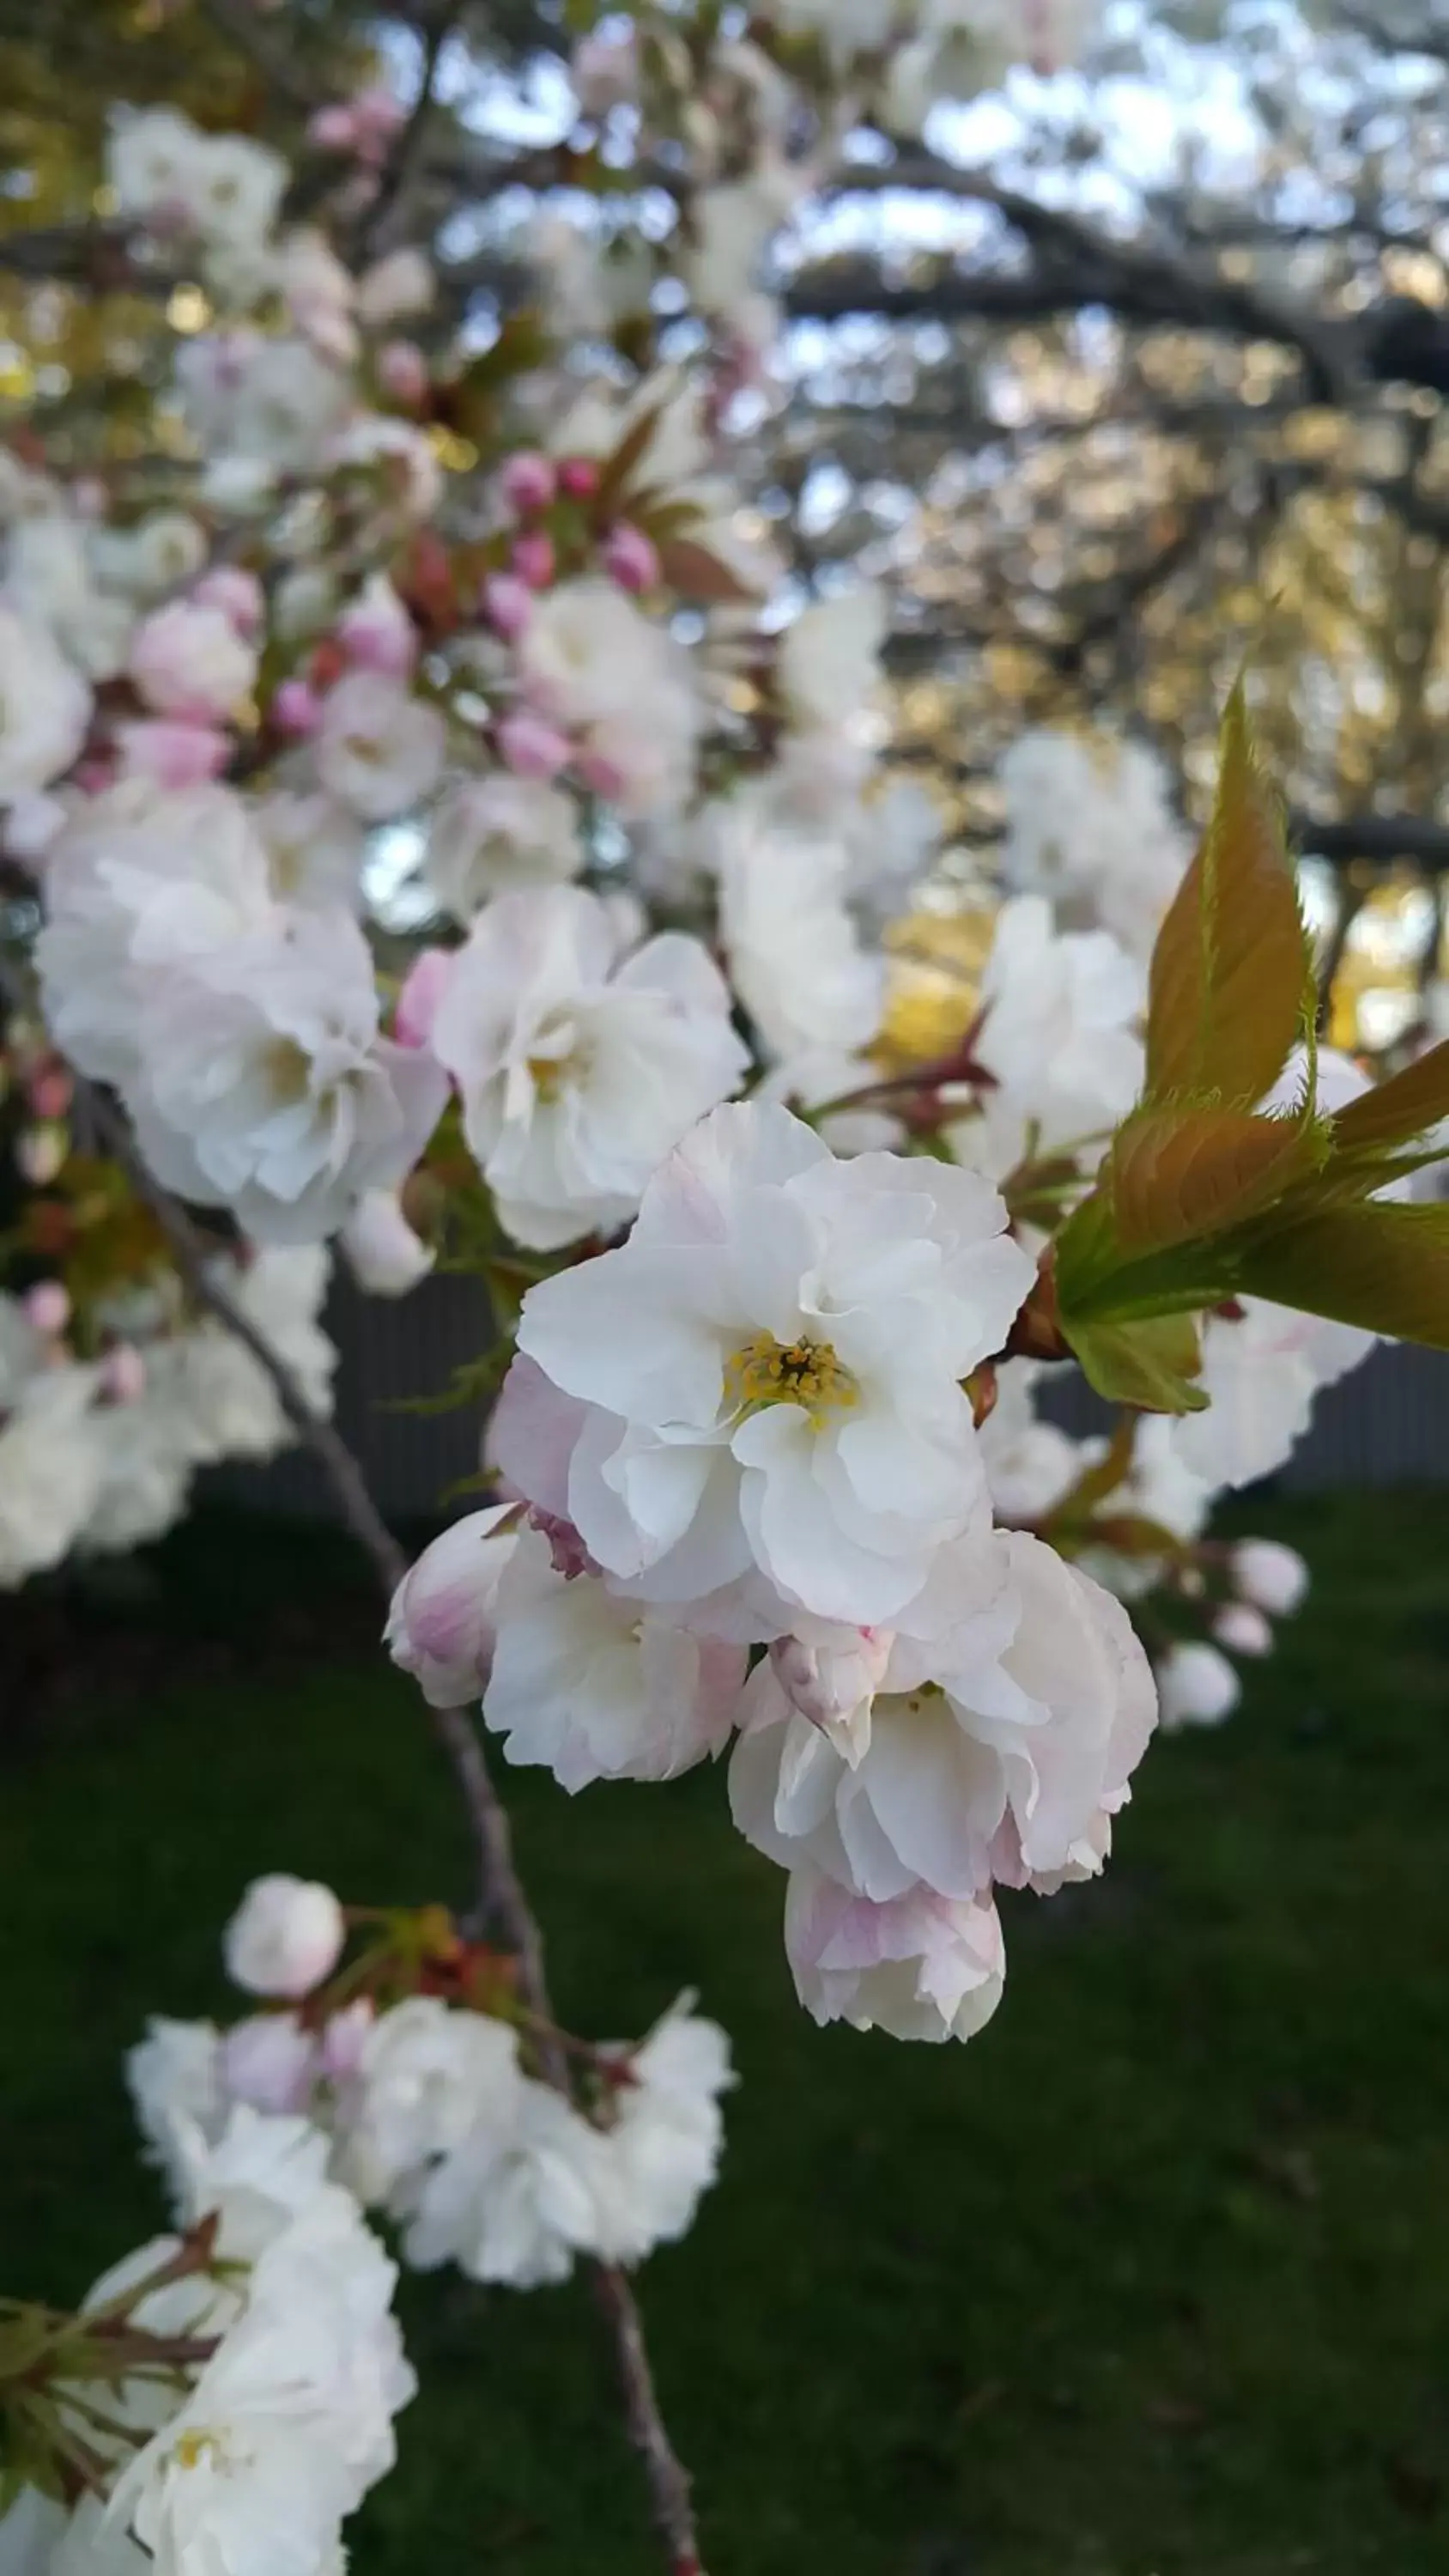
pixel 1115 380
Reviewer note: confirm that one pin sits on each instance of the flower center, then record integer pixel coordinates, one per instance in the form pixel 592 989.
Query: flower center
pixel 562 1057
pixel 764 1371
pixel 289 1073
pixel 193 2448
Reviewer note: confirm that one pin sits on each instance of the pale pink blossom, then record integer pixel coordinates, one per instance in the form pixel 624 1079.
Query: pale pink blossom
pixel 270 2062
pixel 188 661
pixel 237 593
pixel 920 1966
pixel 172 754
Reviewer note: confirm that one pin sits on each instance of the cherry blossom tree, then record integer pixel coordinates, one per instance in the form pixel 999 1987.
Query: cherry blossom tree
pixel 442 828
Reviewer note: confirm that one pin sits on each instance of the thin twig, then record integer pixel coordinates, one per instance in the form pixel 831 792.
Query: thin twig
pixel 506 1897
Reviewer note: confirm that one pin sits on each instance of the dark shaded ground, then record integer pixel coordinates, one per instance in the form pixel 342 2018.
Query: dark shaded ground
pixel 1153 2280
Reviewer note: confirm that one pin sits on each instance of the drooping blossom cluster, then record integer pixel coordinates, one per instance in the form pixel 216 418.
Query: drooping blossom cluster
pixel 225 2397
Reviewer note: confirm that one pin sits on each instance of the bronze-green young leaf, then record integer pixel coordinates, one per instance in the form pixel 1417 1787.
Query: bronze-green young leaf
pixel 1397 1111
pixel 1182 1174
pixel 1150 1365
pixel 1383 1267
pixel 1232 969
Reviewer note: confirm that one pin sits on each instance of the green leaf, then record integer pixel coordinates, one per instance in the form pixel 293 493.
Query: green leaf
pixel 1150 1365
pixel 1232 971
pixel 1384 1268
pixel 1183 1175
pixel 1397 1111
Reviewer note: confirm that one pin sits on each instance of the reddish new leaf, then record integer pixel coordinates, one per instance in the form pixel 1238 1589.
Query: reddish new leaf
pixel 1178 1175
pixel 1232 963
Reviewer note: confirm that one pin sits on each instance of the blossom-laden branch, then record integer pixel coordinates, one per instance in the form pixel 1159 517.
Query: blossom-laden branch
pixel 502 1895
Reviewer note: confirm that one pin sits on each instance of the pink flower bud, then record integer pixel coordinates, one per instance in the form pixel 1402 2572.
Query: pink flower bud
pixel 1274 1578
pixel 579 477
pixel 631 557
pixel 238 594
pixel 507 605
pixel 1243 1630
pixel 285 1937
pixel 344 2038
pixel 528 483
pixel 332 129
pixel 534 560
pixel 174 755
pixel 402 372
pixel 531 747
pixel 443 1619
pixel 377 634
pixel 427 981
pixel 51 1092
pixel 296 708
pixel 123 1374
pixel 270 2062
pixel 47 1307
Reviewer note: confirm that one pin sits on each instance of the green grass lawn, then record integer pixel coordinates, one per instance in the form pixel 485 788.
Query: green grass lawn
pixel 1152 2280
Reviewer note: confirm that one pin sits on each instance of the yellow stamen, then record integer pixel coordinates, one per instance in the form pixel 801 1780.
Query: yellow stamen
pixel 764 1372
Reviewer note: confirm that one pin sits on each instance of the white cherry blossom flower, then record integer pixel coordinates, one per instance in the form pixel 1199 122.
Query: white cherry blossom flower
pixel 1059 1036
pixel 141 883
pixel 579 1069
pixel 498 834
pixel 589 1689
pixel 380 750
pixel 795 955
pixel 767 1376
pixel 264 1085
pixel 999 1750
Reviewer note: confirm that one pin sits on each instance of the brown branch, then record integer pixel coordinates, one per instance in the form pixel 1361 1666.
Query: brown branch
pixel 505 1895
pixel 407 148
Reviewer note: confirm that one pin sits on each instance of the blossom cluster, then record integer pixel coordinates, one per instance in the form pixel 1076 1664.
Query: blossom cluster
pixel 420 2076
pixel 250 2406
